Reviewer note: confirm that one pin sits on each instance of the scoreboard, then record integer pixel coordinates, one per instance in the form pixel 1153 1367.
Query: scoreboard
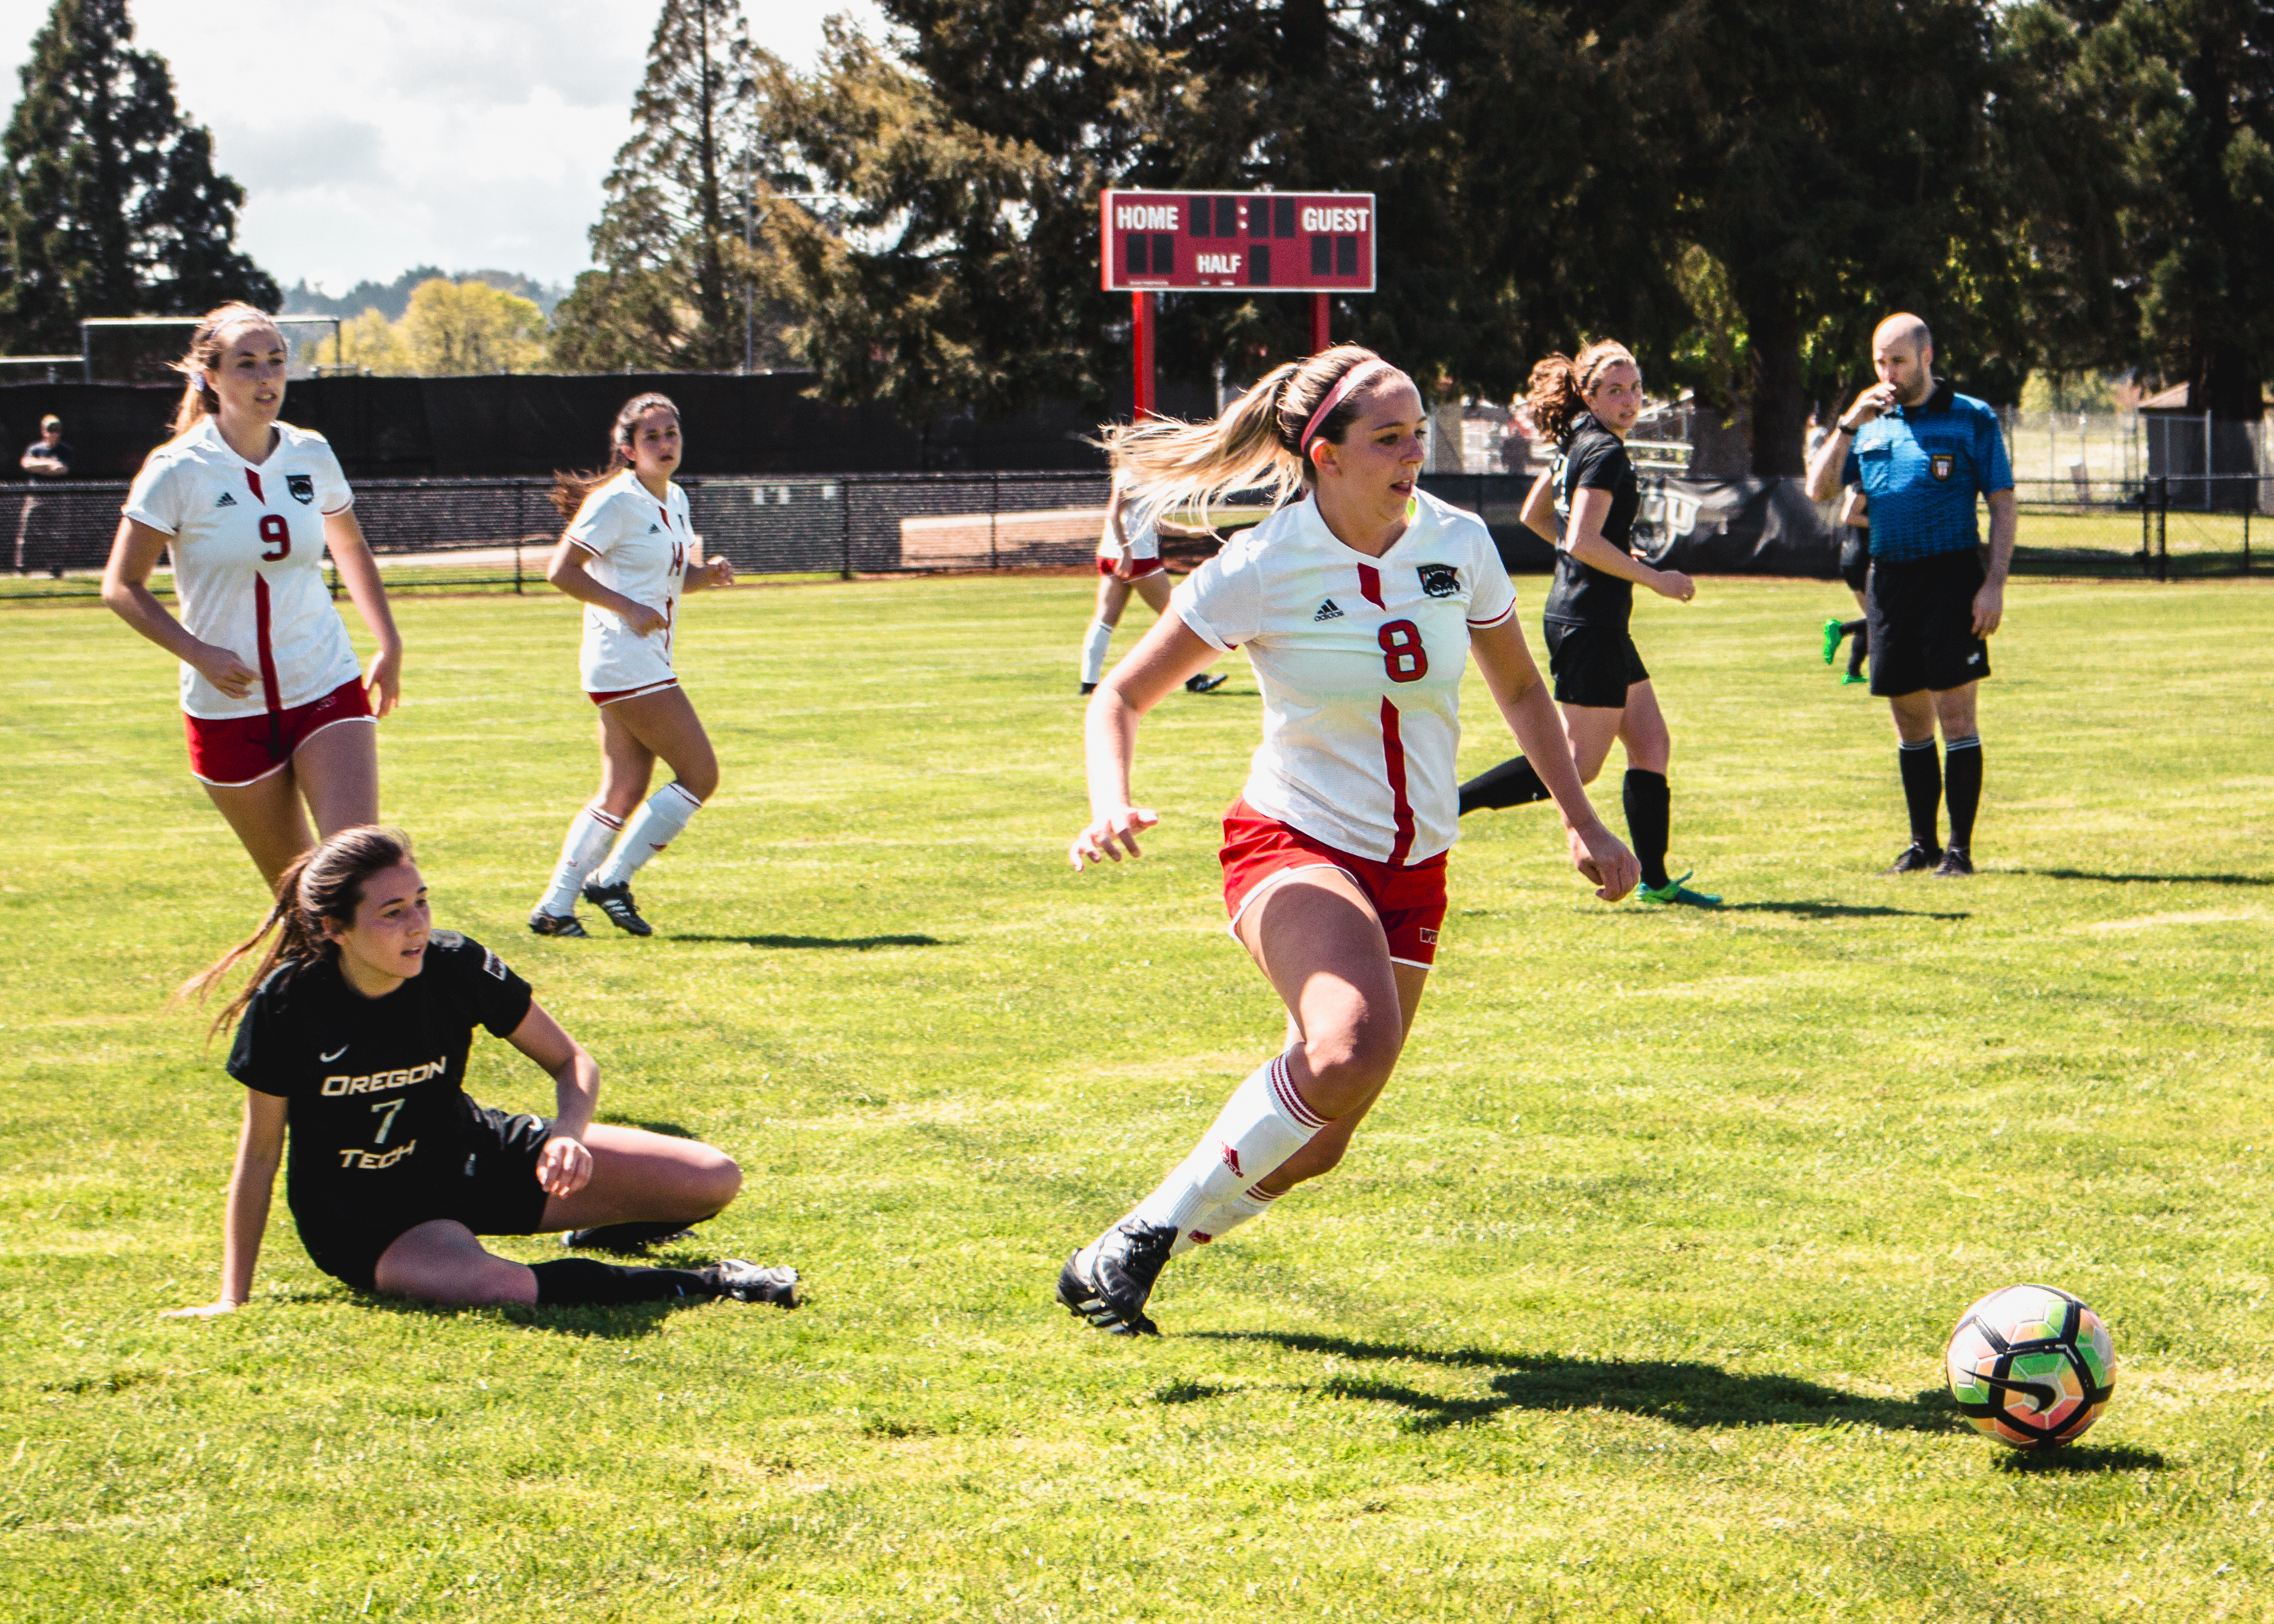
pixel 1289 242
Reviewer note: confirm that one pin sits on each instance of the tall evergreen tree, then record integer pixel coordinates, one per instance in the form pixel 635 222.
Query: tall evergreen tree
pixel 669 293
pixel 110 204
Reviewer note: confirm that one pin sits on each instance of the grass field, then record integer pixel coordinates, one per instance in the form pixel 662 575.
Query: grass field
pixel 1627 1303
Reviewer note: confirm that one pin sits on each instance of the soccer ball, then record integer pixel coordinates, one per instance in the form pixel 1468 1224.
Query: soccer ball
pixel 2031 1366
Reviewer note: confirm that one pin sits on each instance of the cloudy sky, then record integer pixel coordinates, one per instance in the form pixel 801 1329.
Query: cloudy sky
pixel 375 135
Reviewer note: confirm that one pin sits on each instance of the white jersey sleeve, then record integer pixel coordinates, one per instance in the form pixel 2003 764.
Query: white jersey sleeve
pixel 158 497
pixel 1222 601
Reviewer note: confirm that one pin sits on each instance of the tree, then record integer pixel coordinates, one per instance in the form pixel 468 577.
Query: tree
pixel 450 330
pixel 110 204
pixel 669 293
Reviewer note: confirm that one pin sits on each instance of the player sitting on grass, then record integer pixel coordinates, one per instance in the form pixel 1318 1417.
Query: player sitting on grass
pixel 356 1029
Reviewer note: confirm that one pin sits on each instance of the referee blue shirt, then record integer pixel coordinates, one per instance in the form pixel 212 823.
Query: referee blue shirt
pixel 1922 467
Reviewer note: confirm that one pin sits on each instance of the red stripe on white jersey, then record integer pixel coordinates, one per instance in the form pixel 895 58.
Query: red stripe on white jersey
pixel 1369 583
pixel 1393 754
pixel 254 479
pixel 260 638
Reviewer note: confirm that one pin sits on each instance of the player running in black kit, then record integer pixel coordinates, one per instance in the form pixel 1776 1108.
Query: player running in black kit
pixel 355 1030
pixel 1586 407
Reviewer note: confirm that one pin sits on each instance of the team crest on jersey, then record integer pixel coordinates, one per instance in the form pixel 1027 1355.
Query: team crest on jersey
pixel 226 500
pixel 494 965
pixel 1326 611
pixel 303 487
pixel 1441 581
pixel 1944 464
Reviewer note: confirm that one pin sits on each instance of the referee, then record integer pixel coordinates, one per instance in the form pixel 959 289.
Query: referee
pixel 1922 453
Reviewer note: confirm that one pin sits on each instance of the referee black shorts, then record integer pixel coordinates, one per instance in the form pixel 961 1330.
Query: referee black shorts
pixel 1921 613
pixel 490 1186
pixel 1593 664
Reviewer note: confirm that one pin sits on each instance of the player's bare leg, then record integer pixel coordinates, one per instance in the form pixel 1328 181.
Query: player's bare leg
pixel 1328 1146
pixel 267 819
pixel 644 1178
pixel 443 1261
pixel 337 767
pixel 634 733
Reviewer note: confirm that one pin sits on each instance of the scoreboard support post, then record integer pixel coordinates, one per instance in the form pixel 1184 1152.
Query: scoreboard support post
pixel 1321 323
pixel 1146 315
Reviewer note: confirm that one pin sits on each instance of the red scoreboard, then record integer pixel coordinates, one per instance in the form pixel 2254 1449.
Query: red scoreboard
pixel 1289 242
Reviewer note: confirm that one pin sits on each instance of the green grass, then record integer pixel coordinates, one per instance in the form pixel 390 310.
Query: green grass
pixel 1627 1305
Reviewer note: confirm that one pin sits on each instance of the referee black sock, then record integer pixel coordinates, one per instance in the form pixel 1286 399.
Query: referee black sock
pixel 626 1236
pixel 1922 791
pixel 567 1282
pixel 1511 783
pixel 1961 772
pixel 1861 631
pixel 1650 816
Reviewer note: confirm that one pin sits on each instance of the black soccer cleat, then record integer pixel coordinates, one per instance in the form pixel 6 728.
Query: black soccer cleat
pixel 1915 859
pixel 1206 683
pixel 616 902
pixel 1089 687
pixel 1111 1293
pixel 1955 864
pixel 555 924
pixel 749 1282
pixel 626 1240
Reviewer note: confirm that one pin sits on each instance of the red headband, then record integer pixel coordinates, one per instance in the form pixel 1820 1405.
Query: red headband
pixel 1350 381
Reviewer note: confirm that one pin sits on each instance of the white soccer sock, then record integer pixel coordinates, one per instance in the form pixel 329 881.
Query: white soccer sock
pixel 1264 1123
pixel 1219 1221
pixel 654 826
pixel 1093 651
pixel 589 834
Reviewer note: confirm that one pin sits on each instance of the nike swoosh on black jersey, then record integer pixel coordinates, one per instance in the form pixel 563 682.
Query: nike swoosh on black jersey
pixel 335 1053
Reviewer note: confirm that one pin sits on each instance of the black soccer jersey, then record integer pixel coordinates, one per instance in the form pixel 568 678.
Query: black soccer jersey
pixel 1593 459
pixel 375 1084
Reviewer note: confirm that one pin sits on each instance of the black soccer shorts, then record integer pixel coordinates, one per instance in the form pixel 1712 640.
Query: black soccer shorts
pixel 1922 621
pixel 1593 664
pixel 490 1186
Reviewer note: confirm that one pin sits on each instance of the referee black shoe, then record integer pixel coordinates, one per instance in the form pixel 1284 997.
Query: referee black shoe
pixel 1089 687
pixel 1955 864
pixel 555 924
pixel 749 1282
pixel 1109 1291
pixel 1205 683
pixel 616 902
pixel 1915 859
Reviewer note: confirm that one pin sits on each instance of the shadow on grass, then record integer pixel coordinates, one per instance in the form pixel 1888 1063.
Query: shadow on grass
pixel 613 1322
pixel 858 943
pixel 2099 878
pixel 2082 1458
pixel 1833 910
pixel 1683 1393
pixel 669 1130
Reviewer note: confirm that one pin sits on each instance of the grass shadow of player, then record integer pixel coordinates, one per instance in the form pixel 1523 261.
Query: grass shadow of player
pixel 669 1130
pixel 2100 878
pixel 2075 1458
pixel 1833 910
pixel 1682 1392
pixel 613 1322
pixel 857 943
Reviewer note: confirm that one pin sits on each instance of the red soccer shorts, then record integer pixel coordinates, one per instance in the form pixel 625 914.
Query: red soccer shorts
pixel 1259 852
pixel 608 696
pixel 231 752
pixel 1139 568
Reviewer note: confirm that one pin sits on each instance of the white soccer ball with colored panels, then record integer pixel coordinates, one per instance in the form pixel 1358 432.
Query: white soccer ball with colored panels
pixel 2031 1366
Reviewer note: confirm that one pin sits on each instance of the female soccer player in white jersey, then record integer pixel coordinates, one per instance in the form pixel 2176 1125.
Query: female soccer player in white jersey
pixel 628 554
pixel 1360 606
pixel 278 711
pixel 1128 561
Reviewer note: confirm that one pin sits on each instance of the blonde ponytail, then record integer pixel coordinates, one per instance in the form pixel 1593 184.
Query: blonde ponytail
pixel 1259 443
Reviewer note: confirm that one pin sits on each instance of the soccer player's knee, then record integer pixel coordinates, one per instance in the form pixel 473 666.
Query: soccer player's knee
pixel 700 781
pixel 1356 1056
pixel 719 1179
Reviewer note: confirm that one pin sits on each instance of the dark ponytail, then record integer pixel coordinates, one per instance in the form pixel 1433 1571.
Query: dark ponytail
pixel 1557 390
pixel 570 490
pixel 325 883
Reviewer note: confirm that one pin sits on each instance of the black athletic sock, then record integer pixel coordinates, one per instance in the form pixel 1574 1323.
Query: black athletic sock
pixel 1650 816
pixel 1962 773
pixel 1511 783
pixel 1861 631
pixel 565 1281
pixel 629 1236
pixel 1921 791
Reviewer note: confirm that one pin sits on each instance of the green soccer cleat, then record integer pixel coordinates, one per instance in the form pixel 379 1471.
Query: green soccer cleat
pixel 1850 678
pixel 1831 641
pixel 1674 893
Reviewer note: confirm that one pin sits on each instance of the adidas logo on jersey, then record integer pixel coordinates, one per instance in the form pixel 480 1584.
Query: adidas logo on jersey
pixel 226 500
pixel 653 528
pixel 1326 611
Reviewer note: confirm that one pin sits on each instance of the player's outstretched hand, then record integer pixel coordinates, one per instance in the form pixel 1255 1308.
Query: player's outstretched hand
pixel 231 675
pixel 203 1310
pixel 384 680
pixel 1107 837
pixel 722 573
pixel 564 1166
pixel 1603 858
